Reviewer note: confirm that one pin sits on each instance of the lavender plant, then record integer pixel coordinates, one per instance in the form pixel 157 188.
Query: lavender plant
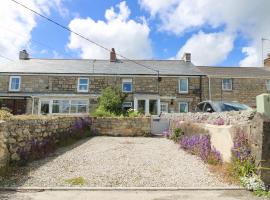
pixel 200 145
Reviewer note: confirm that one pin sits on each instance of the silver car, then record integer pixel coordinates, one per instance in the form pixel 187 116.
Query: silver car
pixel 221 106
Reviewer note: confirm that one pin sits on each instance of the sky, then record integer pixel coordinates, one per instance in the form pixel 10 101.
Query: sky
pixel 215 32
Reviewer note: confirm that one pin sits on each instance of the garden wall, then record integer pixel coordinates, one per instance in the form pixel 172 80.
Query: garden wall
pixel 223 127
pixel 26 137
pixel 122 126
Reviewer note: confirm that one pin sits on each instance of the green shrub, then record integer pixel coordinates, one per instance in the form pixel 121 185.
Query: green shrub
pixel 133 113
pixel 177 133
pixel 101 112
pixel 111 100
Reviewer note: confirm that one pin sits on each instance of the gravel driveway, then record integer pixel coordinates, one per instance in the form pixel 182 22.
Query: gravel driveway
pixel 119 161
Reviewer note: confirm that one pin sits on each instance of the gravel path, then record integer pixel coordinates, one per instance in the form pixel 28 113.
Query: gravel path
pixel 119 161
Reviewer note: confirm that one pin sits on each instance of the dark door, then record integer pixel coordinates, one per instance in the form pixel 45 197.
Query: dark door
pixel 17 106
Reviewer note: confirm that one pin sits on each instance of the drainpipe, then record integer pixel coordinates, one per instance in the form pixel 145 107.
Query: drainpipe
pixel 33 104
pixel 209 88
pixel 200 88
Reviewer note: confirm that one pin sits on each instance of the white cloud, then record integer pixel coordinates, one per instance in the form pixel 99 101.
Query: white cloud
pixel 246 18
pixel 128 37
pixel 16 19
pixel 252 58
pixel 207 49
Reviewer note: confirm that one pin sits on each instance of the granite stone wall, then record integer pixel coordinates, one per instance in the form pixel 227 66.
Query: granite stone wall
pixel 19 135
pixel 120 126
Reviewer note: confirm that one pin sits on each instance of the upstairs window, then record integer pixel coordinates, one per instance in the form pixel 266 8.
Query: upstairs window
pixel 83 85
pixel 227 84
pixel 268 85
pixel 127 85
pixel 183 85
pixel 15 83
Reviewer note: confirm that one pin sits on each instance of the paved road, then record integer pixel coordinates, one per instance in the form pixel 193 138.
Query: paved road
pixel 130 195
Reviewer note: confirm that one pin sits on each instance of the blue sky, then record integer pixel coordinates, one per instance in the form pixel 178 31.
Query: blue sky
pixel 223 34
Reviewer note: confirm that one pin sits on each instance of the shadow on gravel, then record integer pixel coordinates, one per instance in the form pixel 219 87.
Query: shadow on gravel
pixel 18 175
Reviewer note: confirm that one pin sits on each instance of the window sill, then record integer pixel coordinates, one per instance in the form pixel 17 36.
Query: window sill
pixel 183 92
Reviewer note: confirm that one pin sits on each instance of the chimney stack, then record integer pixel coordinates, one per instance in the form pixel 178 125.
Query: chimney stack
pixel 23 55
pixel 187 57
pixel 113 56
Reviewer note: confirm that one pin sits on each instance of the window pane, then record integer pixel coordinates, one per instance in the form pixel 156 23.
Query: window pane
pixel 15 83
pixel 81 108
pixel 44 109
pixel 84 81
pixel 183 107
pixel 268 84
pixel 83 87
pixel 127 87
pixel 183 85
pixel 55 108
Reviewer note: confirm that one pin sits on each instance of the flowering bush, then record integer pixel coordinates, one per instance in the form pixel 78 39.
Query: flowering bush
pixel 253 183
pixel 201 146
pixel 243 161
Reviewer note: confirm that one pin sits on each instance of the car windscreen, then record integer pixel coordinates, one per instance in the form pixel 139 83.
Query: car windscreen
pixel 231 106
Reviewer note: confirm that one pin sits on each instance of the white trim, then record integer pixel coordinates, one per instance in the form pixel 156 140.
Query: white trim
pixel 182 102
pixel 78 84
pixel 127 104
pixel 179 81
pixel 10 82
pixel 127 81
pixel 50 100
pixel 227 89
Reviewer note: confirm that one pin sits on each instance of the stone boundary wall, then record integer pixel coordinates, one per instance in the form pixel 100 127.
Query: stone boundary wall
pixel 19 134
pixel 228 118
pixel 122 126
pixel 222 128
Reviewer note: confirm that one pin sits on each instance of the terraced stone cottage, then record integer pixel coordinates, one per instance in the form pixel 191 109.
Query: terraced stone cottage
pixel 71 86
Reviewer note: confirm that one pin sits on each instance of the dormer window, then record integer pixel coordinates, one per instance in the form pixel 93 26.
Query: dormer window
pixel 15 83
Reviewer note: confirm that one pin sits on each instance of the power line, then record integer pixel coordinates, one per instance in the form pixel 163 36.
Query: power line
pixel 83 37
pixel 2 56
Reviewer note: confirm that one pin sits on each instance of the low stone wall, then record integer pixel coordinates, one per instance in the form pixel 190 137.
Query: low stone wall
pixel 22 136
pixel 222 128
pixel 226 118
pixel 122 126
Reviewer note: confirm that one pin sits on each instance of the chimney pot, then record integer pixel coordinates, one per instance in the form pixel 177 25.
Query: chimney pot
pixel 112 55
pixel 187 57
pixel 23 55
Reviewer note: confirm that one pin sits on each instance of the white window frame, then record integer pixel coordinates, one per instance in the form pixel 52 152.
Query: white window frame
pixel 78 86
pixel 267 83
pixel 166 104
pixel 223 85
pixel 127 81
pixel 127 104
pixel 179 105
pixel 10 83
pixel 60 99
pixel 179 86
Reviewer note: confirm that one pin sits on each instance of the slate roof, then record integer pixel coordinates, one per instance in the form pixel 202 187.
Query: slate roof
pixel 83 66
pixel 235 72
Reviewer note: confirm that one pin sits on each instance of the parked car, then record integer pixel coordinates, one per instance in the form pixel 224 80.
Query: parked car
pixel 221 106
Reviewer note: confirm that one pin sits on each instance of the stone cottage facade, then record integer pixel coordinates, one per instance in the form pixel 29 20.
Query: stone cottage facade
pixel 72 86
